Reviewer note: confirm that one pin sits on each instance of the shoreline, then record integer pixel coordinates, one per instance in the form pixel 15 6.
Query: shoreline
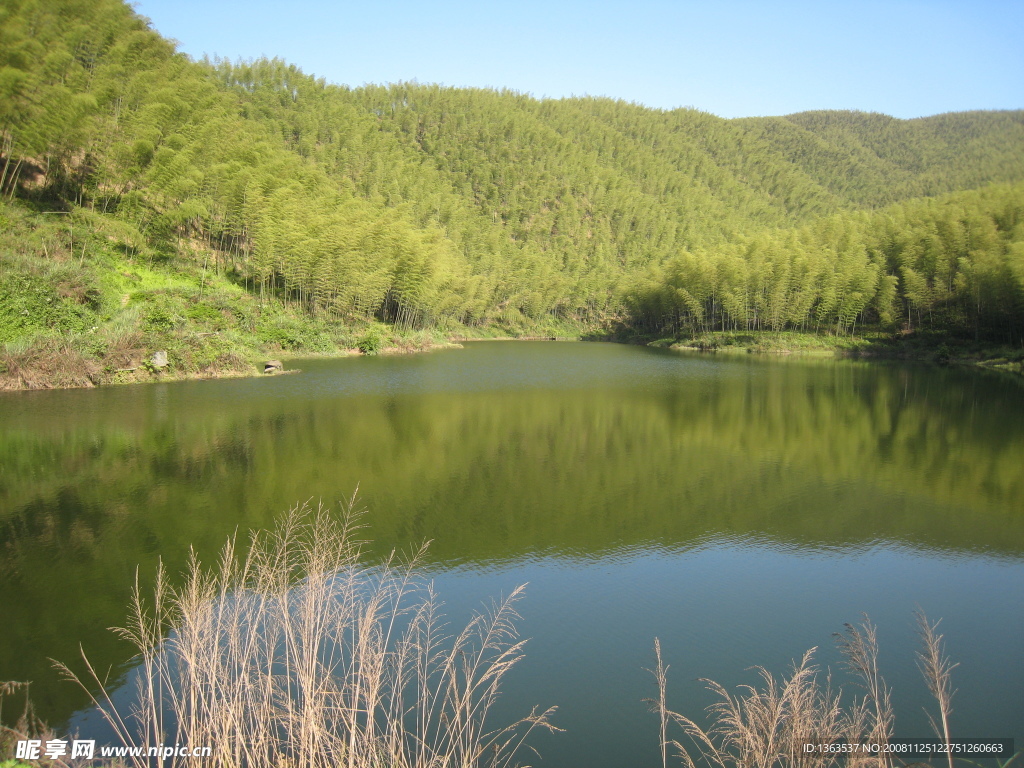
pixel 935 351
pixel 93 378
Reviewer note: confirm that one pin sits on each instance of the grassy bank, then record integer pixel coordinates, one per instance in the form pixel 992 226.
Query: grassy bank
pixel 928 347
pixel 81 306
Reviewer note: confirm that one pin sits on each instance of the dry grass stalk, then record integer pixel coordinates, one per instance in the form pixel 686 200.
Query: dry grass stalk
pixel 27 726
pixel 44 363
pixel 768 727
pixel 860 649
pixel 937 670
pixel 297 654
pixel 660 706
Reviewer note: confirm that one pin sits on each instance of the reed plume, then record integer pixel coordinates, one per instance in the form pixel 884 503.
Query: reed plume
pixel 298 654
pixel 771 726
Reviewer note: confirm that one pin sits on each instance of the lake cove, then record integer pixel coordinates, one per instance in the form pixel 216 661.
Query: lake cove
pixel 741 509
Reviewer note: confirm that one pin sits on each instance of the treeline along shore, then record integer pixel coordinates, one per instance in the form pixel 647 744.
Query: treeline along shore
pixel 227 212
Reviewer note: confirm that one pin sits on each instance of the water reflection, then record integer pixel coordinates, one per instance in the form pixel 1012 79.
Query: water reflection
pixel 568 465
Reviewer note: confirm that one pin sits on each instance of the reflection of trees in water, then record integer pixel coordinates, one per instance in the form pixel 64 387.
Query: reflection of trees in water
pixel 816 455
pixel 771 453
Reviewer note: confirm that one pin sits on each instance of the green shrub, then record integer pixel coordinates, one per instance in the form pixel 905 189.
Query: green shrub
pixel 34 301
pixel 205 313
pixel 159 320
pixel 150 367
pixel 372 342
pixel 285 338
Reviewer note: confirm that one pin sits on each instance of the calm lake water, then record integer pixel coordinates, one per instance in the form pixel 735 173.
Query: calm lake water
pixel 741 509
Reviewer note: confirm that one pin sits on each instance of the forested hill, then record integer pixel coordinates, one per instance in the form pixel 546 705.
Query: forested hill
pixel 427 206
pixel 605 185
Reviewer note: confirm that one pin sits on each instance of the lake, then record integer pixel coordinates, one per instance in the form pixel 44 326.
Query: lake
pixel 739 508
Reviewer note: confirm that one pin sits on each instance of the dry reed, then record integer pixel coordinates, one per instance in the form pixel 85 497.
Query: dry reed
pixel 27 726
pixel 936 668
pixel 297 654
pixel 770 726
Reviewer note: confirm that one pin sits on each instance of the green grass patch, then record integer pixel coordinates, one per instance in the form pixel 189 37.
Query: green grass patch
pixel 771 342
pixel 932 347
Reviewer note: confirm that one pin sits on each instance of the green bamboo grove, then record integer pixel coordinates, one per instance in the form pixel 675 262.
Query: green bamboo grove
pixel 431 207
pixel 955 263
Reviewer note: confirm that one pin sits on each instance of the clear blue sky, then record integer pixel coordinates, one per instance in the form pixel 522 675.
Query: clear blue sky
pixel 733 59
